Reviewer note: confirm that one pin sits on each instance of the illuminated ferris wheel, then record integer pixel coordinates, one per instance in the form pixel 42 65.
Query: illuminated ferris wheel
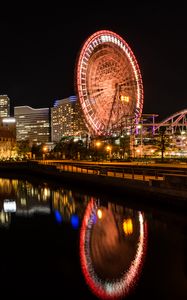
pixel 109 83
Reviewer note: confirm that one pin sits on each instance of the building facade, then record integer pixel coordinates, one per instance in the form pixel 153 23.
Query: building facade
pixel 4 106
pixel 67 119
pixel 7 138
pixel 7 144
pixel 32 124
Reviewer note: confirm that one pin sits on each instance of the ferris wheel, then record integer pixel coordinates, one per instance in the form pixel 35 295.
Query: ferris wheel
pixel 108 83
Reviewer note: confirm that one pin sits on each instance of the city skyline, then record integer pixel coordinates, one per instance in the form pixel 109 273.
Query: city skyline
pixel 39 53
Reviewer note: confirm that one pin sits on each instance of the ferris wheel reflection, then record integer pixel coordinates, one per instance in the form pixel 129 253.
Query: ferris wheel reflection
pixel 113 243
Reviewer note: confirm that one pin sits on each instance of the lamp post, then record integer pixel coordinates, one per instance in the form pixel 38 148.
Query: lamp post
pixel 44 149
pixel 98 144
pixel 109 149
pixel 141 140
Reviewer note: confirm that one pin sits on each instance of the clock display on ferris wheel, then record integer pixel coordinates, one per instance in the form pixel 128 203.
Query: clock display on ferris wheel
pixel 109 82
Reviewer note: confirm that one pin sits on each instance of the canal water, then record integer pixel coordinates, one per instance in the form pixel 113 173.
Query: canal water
pixel 57 243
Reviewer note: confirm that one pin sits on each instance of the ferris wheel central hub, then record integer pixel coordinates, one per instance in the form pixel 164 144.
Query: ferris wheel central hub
pixel 109 82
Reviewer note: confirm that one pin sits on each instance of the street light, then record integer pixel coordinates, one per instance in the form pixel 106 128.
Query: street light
pixel 108 149
pixel 44 149
pixel 98 144
pixel 141 139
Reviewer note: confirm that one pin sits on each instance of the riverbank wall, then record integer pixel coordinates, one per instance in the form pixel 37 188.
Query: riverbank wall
pixel 172 191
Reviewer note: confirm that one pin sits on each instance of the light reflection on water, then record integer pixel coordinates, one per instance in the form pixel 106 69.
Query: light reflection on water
pixel 25 198
pixel 89 248
pixel 112 237
pixel 112 256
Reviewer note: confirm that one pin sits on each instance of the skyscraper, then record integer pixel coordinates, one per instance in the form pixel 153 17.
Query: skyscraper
pixel 4 106
pixel 67 119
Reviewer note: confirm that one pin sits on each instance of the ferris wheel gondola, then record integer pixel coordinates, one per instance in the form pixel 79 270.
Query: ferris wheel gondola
pixel 108 83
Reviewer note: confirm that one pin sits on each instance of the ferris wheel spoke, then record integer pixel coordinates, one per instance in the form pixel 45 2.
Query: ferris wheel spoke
pixel 109 82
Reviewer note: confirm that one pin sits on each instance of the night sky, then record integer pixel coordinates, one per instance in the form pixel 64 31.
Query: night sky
pixel 38 51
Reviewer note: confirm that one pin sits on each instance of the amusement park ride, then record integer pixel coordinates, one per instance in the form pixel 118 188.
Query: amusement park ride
pixel 110 91
pixel 109 83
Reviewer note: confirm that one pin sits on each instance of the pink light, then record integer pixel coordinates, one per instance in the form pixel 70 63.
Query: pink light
pixel 94 114
pixel 123 286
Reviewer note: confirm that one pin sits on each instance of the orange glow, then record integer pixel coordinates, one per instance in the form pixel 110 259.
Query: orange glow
pixel 128 226
pixel 108 148
pixel 99 213
pixel 98 144
pixel 124 98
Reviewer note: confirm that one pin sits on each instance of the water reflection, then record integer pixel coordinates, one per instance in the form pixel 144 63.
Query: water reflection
pixel 112 237
pixel 113 243
pixel 42 227
pixel 24 198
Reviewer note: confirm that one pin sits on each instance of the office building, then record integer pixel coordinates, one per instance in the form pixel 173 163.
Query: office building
pixel 67 119
pixel 32 124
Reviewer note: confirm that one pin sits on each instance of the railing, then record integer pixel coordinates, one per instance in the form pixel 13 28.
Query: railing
pixel 124 171
pixel 109 171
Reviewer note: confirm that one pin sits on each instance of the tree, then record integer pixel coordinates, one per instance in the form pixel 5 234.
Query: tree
pixel 125 145
pixel 163 141
pixel 37 150
pixel 23 148
pixel 71 149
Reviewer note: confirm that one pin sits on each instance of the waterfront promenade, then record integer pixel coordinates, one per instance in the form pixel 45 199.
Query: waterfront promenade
pixel 162 183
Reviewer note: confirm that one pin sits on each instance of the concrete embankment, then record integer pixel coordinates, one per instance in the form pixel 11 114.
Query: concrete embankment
pixel 170 192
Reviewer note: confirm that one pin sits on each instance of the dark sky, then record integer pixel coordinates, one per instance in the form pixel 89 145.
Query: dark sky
pixel 38 51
